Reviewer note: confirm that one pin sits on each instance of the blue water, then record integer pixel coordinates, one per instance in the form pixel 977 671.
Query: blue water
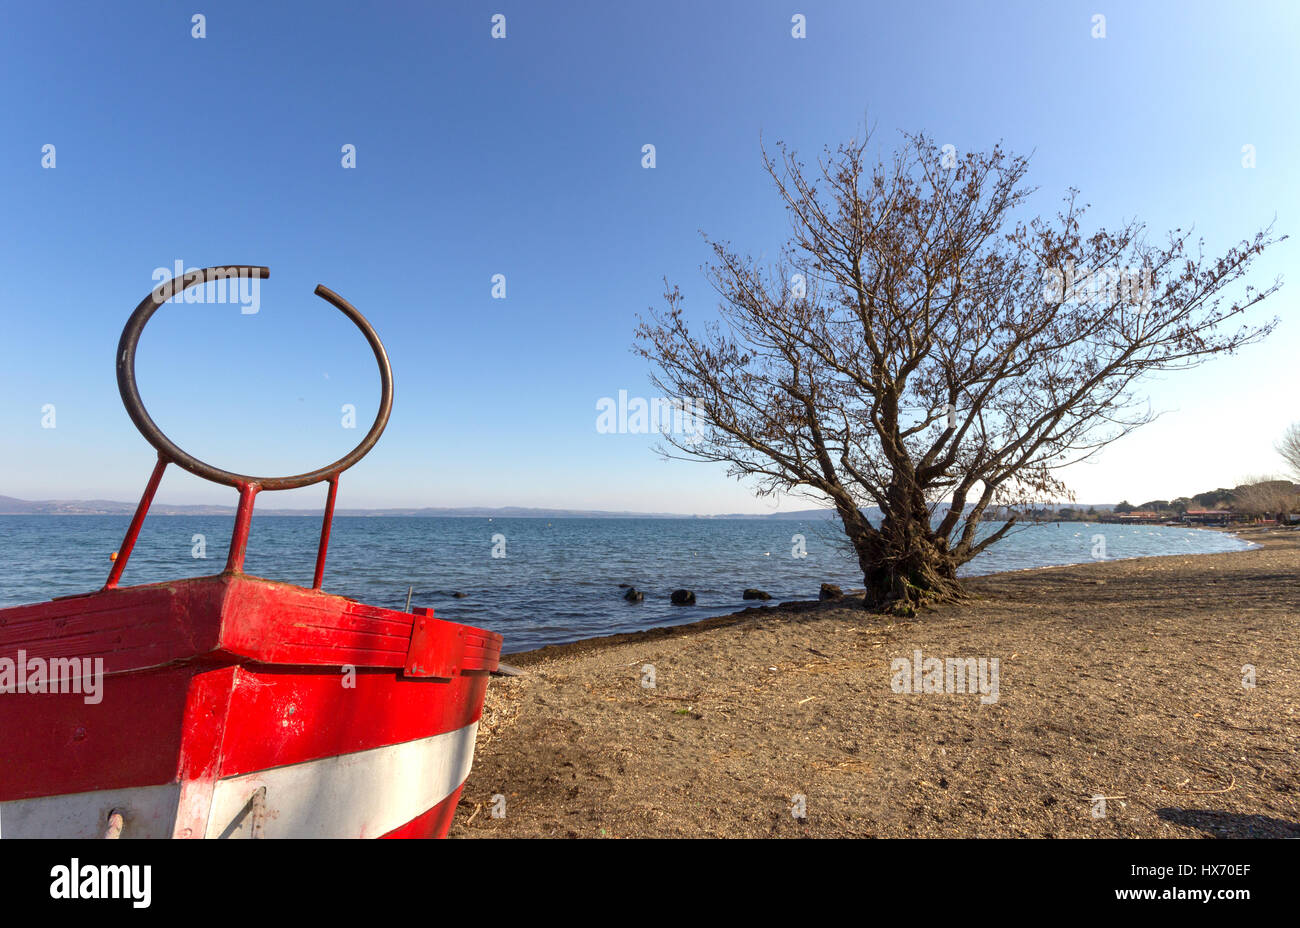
pixel 559 579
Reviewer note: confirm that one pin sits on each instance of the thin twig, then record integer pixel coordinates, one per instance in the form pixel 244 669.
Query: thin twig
pixel 1207 792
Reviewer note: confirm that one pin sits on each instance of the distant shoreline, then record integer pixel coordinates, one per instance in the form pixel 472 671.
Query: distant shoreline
pixel 387 514
pixel 11 506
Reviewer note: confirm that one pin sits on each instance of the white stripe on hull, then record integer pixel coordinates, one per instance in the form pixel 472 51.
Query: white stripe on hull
pixel 147 812
pixel 360 795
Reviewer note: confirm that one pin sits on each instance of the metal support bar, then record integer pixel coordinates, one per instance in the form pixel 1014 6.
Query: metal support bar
pixel 133 530
pixel 325 532
pixel 243 521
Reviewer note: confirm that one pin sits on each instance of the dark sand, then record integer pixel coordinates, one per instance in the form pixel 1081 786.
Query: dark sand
pixel 1122 679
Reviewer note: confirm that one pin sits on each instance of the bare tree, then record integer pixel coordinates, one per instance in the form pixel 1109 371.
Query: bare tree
pixel 916 342
pixel 1264 496
pixel 1289 448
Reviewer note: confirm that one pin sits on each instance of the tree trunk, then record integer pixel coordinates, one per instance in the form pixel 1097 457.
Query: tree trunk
pixel 905 565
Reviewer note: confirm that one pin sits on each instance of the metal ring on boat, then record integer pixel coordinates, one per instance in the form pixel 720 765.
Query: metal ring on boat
pixel 168 449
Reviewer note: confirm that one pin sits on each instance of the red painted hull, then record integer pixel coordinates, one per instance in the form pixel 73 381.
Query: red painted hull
pixel 233 706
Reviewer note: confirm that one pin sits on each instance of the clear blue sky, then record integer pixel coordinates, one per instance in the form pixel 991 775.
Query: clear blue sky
pixel 522 156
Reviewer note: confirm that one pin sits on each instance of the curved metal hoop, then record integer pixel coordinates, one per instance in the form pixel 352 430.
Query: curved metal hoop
pixel 168 450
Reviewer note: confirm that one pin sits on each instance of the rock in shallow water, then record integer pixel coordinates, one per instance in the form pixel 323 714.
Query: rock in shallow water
pixel 683 598
pixel 633 595
pixel 755 594
pixel 830 591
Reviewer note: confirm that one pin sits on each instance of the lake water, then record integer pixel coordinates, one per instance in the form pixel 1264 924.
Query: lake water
pixel 559 579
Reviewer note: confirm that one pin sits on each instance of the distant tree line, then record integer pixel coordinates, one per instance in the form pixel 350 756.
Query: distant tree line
pixel 1255 497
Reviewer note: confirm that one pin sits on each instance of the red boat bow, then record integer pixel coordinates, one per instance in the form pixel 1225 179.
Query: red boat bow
pixel 232 706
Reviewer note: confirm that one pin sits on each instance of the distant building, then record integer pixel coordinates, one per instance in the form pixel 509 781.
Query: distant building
pixel 1136 516
pixel 1210 516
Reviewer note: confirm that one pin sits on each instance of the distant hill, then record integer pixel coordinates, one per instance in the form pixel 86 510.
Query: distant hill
pixel 11 506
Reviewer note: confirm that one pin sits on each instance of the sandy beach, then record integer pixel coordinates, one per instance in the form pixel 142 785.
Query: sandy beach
pixel 1120 679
